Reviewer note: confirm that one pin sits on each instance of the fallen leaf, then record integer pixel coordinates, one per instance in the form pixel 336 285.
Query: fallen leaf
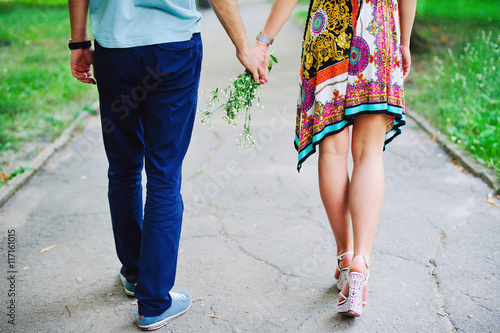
pixel 4 177
pixel 94 282
pixel 434 29
pixel 48 248
pixel 442 315
pixel 214 316
pixel 492 201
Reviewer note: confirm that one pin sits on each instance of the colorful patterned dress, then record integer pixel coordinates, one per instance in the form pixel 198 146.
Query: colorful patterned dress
pixel 351 65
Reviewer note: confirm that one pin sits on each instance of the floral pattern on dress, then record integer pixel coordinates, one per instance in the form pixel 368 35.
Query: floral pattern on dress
pixel 319 22
pixel 380 82
pixel 351 64
pixel 327 37
pixel 325 61
pixel 360 52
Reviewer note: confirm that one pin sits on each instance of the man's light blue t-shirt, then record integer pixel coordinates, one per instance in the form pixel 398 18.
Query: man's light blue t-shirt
pixel 129 23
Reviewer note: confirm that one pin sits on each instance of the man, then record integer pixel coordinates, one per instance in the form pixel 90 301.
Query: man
pixel 147 63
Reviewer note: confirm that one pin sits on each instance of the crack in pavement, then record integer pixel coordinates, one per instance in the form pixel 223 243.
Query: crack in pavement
pixel 400 257
pixel 477 304
pixel 434 277
pixel 304 321
pixel 209 155
pixel 222 231
pixel 218 221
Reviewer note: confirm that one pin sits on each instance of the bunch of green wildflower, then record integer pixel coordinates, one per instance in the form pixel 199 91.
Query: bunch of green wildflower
pixel 237 99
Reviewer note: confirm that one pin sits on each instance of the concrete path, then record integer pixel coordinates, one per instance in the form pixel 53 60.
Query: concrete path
pixel 257 254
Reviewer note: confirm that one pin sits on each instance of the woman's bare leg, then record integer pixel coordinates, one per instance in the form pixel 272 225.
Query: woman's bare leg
pixel 334 190
pixel 367 185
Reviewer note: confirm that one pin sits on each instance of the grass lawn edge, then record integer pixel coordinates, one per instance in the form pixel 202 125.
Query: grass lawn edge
pixel 13 185
pixel 463 157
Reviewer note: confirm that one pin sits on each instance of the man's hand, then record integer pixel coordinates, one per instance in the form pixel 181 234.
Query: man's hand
pixel 405 51
pixel 256 60
pixel 81 61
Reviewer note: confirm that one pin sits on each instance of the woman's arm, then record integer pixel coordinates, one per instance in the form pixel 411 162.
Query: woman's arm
pixel 280 12
pixel 407 10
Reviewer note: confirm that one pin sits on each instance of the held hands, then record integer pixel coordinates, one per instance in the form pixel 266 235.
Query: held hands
pixel 405 51
pixel 81 61
pixel 256 60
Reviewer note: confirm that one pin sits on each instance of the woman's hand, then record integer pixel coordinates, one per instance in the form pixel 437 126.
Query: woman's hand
pixel 256 60
pixel 405 51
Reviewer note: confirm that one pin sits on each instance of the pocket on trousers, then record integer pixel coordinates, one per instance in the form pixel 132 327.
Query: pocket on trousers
pixel 178 46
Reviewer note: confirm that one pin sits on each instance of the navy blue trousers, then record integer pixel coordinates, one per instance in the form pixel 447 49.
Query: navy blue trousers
pixel 148 97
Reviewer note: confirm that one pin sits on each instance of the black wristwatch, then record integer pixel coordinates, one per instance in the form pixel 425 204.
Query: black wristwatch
pixel 79 45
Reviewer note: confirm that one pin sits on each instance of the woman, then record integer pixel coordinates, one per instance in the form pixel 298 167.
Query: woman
pixel 355 57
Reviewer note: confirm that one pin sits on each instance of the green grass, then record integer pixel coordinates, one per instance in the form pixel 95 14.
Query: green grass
pixel 459 95
pixel 63 3
pixel 4 176
pixel 460 9
pixel 455 84
pixel 39 97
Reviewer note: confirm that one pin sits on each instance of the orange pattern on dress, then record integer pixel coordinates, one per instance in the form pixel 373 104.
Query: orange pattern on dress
pixel 331 72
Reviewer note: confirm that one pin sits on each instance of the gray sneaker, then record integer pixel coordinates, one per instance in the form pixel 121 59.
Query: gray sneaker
pixel 128 286
pixel 181 301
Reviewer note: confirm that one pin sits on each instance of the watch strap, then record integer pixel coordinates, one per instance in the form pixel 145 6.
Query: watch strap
pixel 79 45
pixel 264 38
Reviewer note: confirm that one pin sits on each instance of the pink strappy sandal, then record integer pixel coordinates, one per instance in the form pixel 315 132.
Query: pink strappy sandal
pixel 343 271
pixel 352 305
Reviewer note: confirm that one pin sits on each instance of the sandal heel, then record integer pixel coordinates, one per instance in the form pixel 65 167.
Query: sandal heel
pixel 343 271
pixel 352 305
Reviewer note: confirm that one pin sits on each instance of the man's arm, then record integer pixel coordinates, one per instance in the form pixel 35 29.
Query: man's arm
pixel 81 59
pixel 254 59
